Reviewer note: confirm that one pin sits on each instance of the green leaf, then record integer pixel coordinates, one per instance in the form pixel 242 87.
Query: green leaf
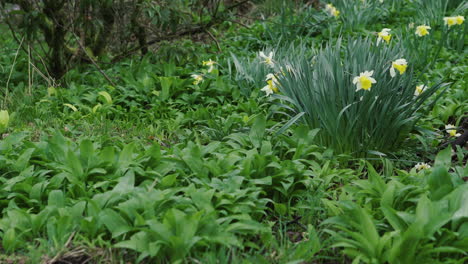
pixel 166 83
pixel 257 131
pixel 74 165
pixel 23 160
pixel 10 240
pixel 440 183
pixel 444 158
pixel 106 96
pixel 56 198
pixel 280 208
pixel 114 222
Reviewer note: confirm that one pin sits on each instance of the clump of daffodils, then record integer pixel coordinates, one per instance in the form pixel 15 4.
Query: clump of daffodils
pixel 452 130
pixel 384 35
pixel 419 90
pixel 272 84
pixel 4 119
pixel 210 64
pixel 422 166
pixel 452 21
pixel 400 65
pixel 330 9
pixel 197 78
pixel 364 81
pixel 268 60
pixel 422 30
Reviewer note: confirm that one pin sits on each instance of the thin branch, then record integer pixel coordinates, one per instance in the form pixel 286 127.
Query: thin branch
pixel 92 61
pixel 214 39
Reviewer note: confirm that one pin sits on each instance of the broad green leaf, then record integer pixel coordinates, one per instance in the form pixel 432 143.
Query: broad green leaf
pixel 23 160
pixel 106 96
pixel 257 131
pixel 444 158
pixel 440 183
pixel 114 222
pixel 56 198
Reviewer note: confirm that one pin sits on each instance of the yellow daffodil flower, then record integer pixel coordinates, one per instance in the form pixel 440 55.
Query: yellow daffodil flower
pixel 422 166
pixel 210 64
pixel 271 86
pixel 330 9
pixel 4 119
pixel 272 77
pixel 400 65
pixel 419 89
pixel 452 130
pixel 384 35
pixel 364 81
pixel 452 21
pixel 198 78
pixel 268 60
pixel 422 30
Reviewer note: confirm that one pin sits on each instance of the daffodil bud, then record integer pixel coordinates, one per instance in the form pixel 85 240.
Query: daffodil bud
pixel 4 119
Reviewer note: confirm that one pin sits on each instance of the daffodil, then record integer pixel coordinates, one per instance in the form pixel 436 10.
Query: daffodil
pixel 422 30
pixel 198 78
pixel 272 77
pixel 452 130
pixel 364 81
pixel 332 10
pixel 384 35
pixel 268 60
pixel 419 89
pixel 452 21
pixel 271 86
pixel 4 119
pixel 210 64
pixel 422 166
pixel 400 65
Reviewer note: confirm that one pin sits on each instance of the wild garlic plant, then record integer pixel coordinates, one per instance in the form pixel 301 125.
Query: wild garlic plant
pixel 361 96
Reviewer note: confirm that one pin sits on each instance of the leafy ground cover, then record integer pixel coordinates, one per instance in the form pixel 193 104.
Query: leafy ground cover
pixel 311 135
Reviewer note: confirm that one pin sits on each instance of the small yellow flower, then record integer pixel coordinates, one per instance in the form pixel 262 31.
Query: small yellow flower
pixel 452 130
pixel 450 21
pixel 271 86
pixel 4 119
pixel 384 35
pixel 364 81
pixel 268 60
pixel 210 64
pixel 419 90
pixel 332 10
pixel 460 19
pixel 400 65
pixel 422 166
pixel 422 30
pixel 198 78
